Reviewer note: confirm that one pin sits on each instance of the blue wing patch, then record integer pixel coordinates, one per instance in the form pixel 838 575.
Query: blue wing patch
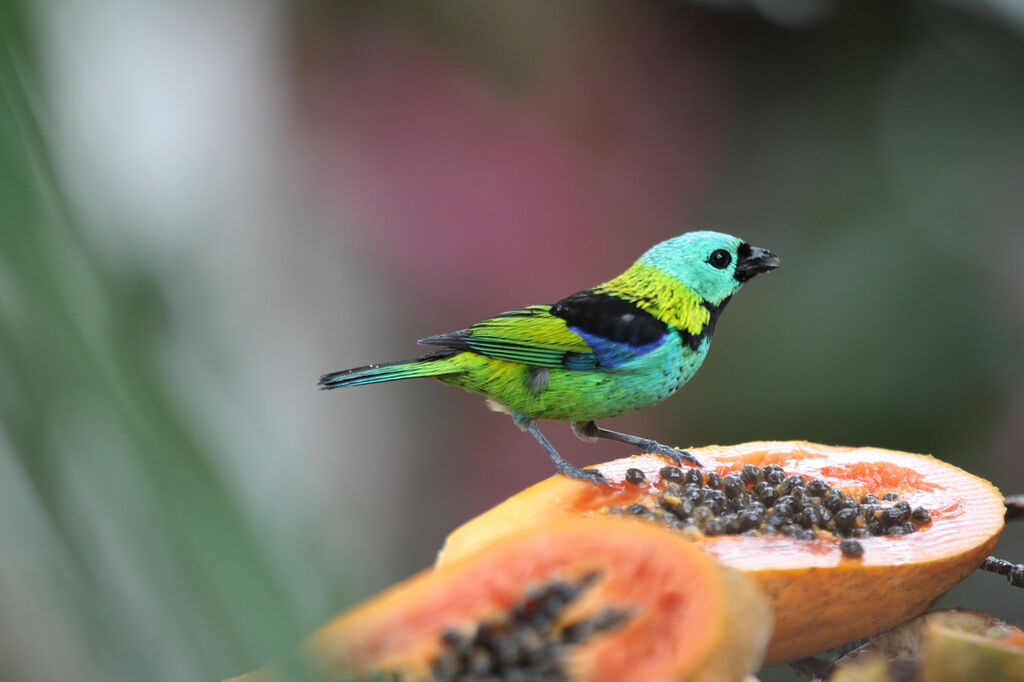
pixel 611 354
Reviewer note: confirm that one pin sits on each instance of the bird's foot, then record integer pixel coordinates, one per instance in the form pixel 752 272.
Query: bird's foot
pixel 590 431
pixel 675 454
pixel 589 475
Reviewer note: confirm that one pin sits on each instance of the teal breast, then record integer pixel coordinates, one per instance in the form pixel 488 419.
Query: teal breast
pixel 584 395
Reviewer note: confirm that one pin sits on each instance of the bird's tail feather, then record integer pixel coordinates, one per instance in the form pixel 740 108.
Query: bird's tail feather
pixel 427 366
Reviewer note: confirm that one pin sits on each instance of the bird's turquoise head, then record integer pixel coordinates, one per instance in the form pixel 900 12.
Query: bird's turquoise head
pixel 713 264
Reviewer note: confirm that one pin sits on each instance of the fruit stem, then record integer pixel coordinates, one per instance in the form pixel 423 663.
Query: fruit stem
pixel 1014 507
pixel 1013 572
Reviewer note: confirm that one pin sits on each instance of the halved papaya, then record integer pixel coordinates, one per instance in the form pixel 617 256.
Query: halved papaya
pixel 951 645
pixel 916 527
pixel 955 655
pixel 573 600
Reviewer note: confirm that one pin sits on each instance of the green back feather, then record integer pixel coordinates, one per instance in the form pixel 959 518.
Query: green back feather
pixel 531 335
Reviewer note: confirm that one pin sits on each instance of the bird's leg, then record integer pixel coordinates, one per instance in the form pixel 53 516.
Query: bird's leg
pixel 589 431
pixel 590 475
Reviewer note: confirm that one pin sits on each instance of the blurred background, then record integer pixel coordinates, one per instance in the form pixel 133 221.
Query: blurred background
pixel 205 206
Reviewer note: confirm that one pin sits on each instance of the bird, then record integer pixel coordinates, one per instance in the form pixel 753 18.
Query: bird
pixel 610 350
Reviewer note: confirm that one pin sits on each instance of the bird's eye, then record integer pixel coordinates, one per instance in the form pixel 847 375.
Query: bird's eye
pixel 720 258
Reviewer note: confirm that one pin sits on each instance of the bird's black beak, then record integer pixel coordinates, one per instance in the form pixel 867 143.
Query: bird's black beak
pixel 753 260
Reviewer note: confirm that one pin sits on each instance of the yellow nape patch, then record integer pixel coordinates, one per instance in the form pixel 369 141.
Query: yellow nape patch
pixel 661 295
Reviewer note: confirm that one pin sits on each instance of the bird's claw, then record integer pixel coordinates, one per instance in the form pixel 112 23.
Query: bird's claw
pixel 675 454
pixel 588 475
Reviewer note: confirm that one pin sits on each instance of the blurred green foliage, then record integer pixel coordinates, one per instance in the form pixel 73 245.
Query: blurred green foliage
pixel 124 555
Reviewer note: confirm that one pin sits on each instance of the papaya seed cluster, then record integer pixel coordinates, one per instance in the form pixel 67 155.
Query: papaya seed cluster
pixel 760 501
pixel 527 643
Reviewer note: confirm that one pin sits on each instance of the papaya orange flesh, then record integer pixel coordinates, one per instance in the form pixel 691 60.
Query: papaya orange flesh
pixel 630 603
pixel 821 596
